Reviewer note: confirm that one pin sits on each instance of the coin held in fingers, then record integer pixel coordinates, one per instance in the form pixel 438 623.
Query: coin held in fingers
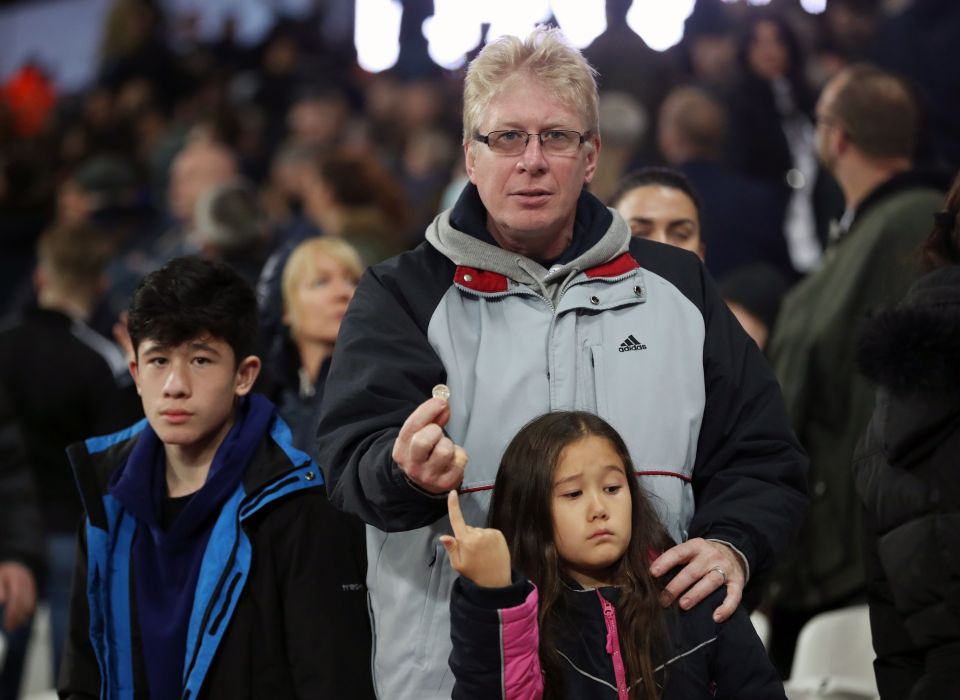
pixel 441 391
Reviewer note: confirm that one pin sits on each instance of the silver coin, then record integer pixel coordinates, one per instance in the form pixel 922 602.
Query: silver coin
pixel 441 391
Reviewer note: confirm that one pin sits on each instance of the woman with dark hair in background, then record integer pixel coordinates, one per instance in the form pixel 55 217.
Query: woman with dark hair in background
pixel 772 134
pixel 907 473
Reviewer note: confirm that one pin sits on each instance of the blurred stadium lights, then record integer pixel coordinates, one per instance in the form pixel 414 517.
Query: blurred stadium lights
pixel 456 27
pixel 377 34
pixel 659 24
pixel 814 7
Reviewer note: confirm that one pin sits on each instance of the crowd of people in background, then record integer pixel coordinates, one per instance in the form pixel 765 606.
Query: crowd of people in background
pixel 802 158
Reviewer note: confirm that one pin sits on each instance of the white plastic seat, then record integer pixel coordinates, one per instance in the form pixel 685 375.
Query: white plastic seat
pixel 38 676
pixel 834 658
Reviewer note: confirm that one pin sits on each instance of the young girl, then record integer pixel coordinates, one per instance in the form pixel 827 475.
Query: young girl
pixel 568 513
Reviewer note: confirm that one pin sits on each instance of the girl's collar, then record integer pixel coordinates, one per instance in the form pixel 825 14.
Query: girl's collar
pixel 574 586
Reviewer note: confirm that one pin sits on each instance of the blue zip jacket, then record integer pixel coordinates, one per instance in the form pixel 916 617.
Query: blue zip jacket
pixel 279 607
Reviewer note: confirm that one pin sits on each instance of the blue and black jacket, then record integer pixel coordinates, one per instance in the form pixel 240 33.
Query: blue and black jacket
pixel 279 609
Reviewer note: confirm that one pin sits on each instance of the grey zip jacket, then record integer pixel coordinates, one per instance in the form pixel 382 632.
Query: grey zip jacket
pixel 632 330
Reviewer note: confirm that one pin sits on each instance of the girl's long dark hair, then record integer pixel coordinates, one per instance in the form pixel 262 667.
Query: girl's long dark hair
pixel 521 509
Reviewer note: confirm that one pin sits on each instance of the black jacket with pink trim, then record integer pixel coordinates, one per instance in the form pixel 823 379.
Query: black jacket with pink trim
pixel 495 655
pixel 632 330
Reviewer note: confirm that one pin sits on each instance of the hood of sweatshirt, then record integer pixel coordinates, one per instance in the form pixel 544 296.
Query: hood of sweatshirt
pixel 599 235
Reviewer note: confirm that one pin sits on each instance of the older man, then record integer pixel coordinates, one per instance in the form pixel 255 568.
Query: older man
pixel 530 295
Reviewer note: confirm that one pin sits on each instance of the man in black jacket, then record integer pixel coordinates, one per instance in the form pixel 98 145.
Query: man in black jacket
pixel 21 548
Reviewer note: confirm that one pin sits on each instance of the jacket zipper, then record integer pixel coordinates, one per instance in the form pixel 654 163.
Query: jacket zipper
pixel 613 646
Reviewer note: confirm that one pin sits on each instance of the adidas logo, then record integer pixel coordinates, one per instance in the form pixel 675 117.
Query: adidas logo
pixel 631 343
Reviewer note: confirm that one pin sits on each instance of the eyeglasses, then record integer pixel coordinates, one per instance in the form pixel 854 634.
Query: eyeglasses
pixel 554 142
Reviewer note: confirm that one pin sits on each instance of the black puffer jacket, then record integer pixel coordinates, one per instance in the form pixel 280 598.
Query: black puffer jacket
pixel 907 473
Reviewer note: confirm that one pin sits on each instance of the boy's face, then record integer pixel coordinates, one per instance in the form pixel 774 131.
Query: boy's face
pixel 189 390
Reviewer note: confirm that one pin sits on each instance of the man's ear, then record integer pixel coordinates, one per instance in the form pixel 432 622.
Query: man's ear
pixel 247 372
pixel 593 156
pixel 469 161
pixel 840 142
pixel 134 372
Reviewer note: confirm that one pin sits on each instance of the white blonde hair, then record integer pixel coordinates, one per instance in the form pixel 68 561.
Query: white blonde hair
pixel 300 260
pixel 544 56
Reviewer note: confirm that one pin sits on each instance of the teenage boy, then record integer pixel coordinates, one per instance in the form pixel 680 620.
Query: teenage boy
pixel 210 564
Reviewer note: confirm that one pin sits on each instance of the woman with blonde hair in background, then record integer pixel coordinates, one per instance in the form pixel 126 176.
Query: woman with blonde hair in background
pixel 317 284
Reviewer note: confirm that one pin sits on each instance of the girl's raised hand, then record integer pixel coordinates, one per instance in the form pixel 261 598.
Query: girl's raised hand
pixel 479 553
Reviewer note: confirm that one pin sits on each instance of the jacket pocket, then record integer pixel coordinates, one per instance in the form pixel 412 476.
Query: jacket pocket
pixel 598 371
pixel 434 600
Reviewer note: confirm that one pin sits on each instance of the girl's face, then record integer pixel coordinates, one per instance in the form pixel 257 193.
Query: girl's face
pixel 320 300
pixel 591 507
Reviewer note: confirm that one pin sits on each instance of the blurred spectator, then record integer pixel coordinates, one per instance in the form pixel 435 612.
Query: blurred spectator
pixel 22 551
pixel 847 33
pixel 318 281
pixel 427 158
pixel 624 127
pixel 200 167
pixel 229 226
pixel 30 97
pixel 710 47
pixel 26 201
pixel 660 205
pixel 134 46
pixel 906 476
pixel 353 197
pixel 753 293
pixel 317 120
pixel 282 194
pixel 914 43
pixel 866 130
pixel 345 195
pixel 65 382
pixel 626 64
pixel 104 191
pixel 772 133
pixel 742 216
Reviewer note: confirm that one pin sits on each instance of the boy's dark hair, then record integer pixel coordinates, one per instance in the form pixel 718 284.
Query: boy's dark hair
pixel 191 298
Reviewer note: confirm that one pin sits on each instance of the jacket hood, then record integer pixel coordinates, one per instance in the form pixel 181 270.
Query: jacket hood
pixel 913 352
pixel 610 231
pixel 915 346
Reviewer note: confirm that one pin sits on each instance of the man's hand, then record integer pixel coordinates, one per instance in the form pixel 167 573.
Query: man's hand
pixel 479 553
pixel 428 457
pixel 18 594
pixel 707 566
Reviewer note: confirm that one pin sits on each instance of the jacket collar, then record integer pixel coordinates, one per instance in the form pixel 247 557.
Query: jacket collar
pixel 600 236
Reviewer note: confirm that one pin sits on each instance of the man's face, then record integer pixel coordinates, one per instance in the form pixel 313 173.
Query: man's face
pixel 189 391
pixel 662 214
pixel 530 198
